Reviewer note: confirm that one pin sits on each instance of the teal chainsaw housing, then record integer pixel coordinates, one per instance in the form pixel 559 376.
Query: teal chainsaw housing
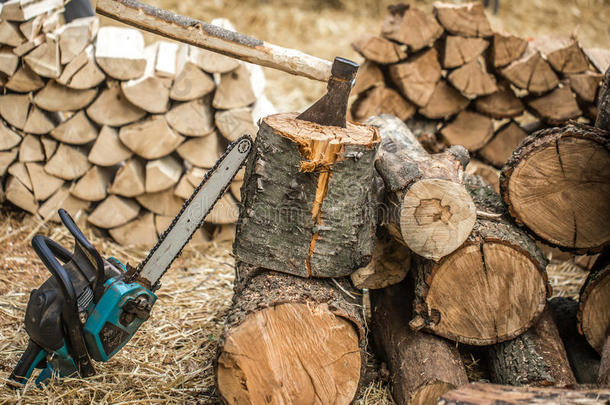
pixel 110 324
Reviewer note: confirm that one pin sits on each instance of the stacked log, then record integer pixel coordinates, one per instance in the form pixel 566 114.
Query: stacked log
pixel 115 131
pixel 295 332
pixel 474 86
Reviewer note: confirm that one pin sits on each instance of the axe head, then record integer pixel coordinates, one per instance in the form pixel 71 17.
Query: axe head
pixel 331 109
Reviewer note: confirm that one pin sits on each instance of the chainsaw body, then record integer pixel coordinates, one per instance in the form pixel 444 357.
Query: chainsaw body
pixel 91 307
pixel 86 310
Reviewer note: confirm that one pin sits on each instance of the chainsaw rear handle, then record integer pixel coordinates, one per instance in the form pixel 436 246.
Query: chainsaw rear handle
pixel 49 251
pixel 28 361
pixel 89 253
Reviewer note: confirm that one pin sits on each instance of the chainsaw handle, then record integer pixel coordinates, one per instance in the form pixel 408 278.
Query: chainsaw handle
pixel 44 246
pixel 32 356
pixel 90 253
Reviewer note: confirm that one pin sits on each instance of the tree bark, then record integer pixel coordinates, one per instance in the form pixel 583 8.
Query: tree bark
pixel 428 208
pixel 603 116
pixel 492 289
pixel 550 176
pixel 480 394
pixel 594 311
pixel 536 358
pixel 422 366
pixel 306 198
pixel 290 340
pixel 584 360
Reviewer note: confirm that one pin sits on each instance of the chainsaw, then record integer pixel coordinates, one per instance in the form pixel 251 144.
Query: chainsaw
pixel 91 307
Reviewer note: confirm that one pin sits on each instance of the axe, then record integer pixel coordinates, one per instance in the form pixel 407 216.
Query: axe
pixel 340 74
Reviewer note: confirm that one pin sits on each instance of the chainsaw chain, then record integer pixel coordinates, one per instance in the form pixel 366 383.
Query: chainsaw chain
pixel 186 204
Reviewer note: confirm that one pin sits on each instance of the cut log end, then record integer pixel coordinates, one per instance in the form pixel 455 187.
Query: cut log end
pixel 578 165
pixel 436 217
pixel 509 297
pixel 289 339
pixel 246 364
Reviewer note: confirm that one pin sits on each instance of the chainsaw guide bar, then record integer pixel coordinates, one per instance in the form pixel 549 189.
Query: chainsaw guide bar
pixel 192 214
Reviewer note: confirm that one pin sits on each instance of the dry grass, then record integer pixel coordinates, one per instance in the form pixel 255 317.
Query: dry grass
pixel 170 360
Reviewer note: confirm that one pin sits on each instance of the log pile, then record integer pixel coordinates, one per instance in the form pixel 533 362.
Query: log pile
pixel 489 289
pixel 116 132
pixel 470 85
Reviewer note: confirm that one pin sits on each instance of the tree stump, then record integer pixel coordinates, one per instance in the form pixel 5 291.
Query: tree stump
pixel 306 198
pixel 290 340
pixel 428 208
pixel 422 366
pixel 556 184
pixel 536 358
pixel 492 288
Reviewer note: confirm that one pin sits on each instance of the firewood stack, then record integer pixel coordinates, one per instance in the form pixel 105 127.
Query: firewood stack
pixel 116 132
pixel 462 83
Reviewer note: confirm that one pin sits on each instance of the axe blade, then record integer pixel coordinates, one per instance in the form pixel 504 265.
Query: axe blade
pixel 331 109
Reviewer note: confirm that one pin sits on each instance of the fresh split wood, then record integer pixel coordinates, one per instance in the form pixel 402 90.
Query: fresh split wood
pixel 76 130
pixel 382 100
pixel 409 25
pixel 369 75
pixel 139 232
pixel 234 90
pixel 108 149
pixel 468 20
pixel 469 129
pixel 114 211
pixel 24 81
pixel 30 149
pixel 43 184
pixel 129 180
pixel 56 97
pixel 120 52
pixel 113 109
pixel 151 138
pixel 378 49
pixel 193 118
pixel 417 76
pixel 82 72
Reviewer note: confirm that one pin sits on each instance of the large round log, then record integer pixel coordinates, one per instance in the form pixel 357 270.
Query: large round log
pixel 290 340
pixel 428 207
pixel 306 198
pixel 492 288
pixel 557 183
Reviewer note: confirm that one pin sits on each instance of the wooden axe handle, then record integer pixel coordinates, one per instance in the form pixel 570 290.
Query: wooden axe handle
pixel 213 38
